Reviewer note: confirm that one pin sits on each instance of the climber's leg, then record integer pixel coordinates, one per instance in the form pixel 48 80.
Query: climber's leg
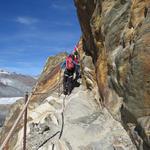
pixel 77 71
pixel 70 84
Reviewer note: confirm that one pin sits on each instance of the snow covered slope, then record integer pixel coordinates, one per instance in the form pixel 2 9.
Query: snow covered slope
pixel 14 85
pixel 9 100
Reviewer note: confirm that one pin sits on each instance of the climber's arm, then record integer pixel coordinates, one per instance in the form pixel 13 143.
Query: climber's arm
pixel 63 64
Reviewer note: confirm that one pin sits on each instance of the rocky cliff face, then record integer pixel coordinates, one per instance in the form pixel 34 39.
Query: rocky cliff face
pixel 116 35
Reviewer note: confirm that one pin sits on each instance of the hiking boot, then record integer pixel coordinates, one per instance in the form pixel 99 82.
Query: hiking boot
pixel 65 92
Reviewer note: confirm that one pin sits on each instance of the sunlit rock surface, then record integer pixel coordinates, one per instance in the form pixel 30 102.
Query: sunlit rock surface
pixel 116 34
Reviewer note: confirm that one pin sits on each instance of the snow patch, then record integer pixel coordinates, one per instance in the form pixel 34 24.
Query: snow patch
pixel 6 81
pixel 8 100
pixel 4 72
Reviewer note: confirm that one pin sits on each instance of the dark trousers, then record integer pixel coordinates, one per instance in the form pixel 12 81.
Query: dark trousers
pixel 77 70
pixel 68 81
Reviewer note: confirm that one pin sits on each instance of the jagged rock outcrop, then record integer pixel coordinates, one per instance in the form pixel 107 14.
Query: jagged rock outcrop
pixel 49 79
pixel 4 109
pixel 116 35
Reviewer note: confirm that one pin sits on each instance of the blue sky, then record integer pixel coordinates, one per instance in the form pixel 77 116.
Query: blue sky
pixel 32 30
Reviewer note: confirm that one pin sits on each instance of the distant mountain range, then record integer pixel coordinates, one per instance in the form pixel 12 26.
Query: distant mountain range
pixel 15 85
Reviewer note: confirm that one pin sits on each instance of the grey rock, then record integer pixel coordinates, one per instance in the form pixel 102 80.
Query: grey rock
pixel 143 128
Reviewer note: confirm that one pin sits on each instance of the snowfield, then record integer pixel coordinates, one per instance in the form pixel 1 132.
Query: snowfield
pixel 6 81
pixel 4 72
pixel 15 85
pixel 8 100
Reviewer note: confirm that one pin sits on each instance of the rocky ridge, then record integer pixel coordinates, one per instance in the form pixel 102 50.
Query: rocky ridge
pixel 116 39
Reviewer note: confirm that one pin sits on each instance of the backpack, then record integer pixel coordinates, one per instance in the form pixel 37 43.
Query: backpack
pixel 69 63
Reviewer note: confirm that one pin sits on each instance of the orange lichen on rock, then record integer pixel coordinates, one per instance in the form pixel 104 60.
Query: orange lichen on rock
pixel 137 11
pixel 101 73
pixel 49 79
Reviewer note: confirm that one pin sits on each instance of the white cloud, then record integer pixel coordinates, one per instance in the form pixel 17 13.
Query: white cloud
pixel 60 6
pixel 26 20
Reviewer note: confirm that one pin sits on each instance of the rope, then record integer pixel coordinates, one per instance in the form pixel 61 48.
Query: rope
pixel 62 115
pixel 15 124
pixel 62 127
pixel 48 139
